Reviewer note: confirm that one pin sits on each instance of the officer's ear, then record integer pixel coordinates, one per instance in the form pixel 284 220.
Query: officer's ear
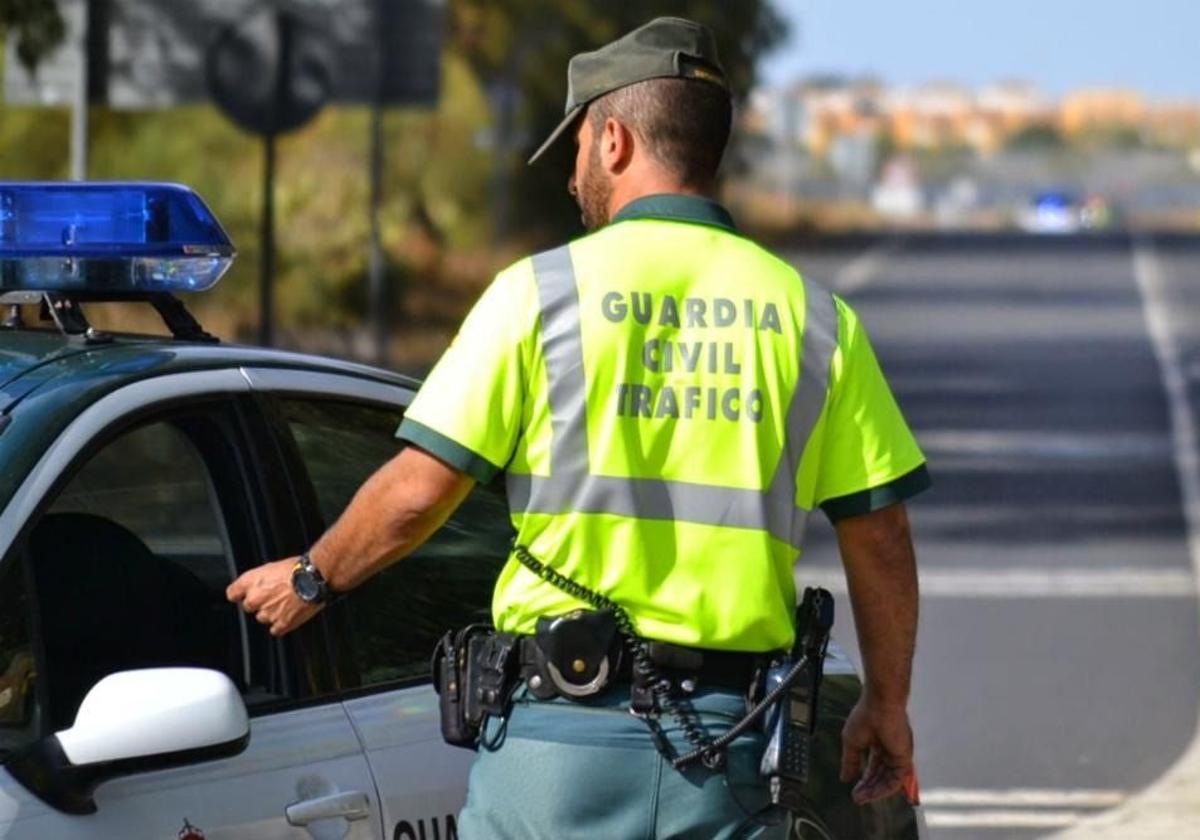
pixel 617 146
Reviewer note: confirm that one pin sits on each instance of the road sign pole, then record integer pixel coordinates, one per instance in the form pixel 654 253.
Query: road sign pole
pixel 267 244
pixel 377 290
pixel 376 266
pixel 79 100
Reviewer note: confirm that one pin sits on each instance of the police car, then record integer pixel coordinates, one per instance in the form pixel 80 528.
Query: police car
pixel 138 476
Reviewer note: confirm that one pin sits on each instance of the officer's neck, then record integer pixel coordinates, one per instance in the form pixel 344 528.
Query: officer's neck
pixel 630 186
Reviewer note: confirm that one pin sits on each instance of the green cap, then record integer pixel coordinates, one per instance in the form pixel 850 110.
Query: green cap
pixel 666 47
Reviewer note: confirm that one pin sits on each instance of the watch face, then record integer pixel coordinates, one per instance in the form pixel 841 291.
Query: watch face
pixel 305 585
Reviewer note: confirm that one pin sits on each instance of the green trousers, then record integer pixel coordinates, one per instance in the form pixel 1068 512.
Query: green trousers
pixel 562 769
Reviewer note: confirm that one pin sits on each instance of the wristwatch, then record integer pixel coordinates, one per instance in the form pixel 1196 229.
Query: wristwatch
pixel 308 582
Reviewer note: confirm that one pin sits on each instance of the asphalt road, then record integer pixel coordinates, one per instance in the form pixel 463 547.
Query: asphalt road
pixel 1058 669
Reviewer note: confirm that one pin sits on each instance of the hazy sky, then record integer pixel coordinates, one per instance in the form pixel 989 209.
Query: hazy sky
pixel 1151 45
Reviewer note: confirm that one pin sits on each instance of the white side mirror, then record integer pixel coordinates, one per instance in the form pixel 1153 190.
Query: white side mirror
pixel 133 722
pixel 137 714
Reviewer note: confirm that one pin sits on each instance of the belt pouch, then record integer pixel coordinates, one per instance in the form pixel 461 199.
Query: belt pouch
pixel 579 652
pixel 452 681
pixel 489 674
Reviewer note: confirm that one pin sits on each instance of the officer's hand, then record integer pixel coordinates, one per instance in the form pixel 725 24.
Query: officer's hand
pixel 883 734
pixel 266 593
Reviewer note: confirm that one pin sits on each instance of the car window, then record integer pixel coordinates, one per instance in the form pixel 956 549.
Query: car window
pixel 397 616
pixel 17 669
pixel 153 483
pixel 130 563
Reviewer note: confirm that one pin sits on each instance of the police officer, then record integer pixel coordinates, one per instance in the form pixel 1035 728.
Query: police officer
pixel 667 402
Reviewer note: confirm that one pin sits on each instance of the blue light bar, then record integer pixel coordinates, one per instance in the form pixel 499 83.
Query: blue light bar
pixel 108 238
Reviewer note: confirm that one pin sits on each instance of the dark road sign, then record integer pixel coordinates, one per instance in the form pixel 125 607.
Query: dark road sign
pixel 153 53
pixel 269 73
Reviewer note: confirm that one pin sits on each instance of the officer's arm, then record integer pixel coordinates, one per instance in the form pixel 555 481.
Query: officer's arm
pixel 392 514
pixel 877 553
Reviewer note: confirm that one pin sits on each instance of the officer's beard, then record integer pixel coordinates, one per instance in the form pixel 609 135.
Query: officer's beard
pixel 595 193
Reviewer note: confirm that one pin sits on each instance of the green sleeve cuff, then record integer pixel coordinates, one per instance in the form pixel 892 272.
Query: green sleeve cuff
pixel 450 451
pixel 877 498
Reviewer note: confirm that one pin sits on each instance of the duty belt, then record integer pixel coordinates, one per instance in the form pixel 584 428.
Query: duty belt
pixel 698 667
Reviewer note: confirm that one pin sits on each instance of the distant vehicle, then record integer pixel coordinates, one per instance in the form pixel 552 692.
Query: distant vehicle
pixel 1051 212
pixel 138 476
pixel 898 194
pixel 1098 213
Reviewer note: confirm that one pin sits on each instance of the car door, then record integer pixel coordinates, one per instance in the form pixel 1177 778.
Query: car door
pixel 129 530
pixel 387 627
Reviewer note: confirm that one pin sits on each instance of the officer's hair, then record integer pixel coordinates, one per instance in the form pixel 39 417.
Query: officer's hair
pixel 683 123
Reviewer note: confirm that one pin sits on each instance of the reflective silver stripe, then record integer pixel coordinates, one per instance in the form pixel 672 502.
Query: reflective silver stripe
pixel 656 498
pixel 818 345
pixel 562 345
pixel 572 487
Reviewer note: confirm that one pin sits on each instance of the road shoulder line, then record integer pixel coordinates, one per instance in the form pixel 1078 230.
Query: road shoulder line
pixel 1170 807
pixel 861 270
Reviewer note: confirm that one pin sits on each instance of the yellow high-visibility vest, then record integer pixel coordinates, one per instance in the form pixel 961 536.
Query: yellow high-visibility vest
pixel 669 402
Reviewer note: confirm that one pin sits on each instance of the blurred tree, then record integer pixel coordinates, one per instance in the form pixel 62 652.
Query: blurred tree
pixel 454 176
pixel 520 49
pixel 1123 138
pixel 38 27
pixel 1036 138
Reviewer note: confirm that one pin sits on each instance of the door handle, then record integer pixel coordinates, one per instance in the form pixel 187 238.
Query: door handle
pixel 351 805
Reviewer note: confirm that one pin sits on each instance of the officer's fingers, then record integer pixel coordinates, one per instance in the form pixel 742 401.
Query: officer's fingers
pixel 851 759
pixel 868 778
pixel 252 601
pixel 856 738
pixel 882 783
pixel 289 620
pixel 236 591
pixel 883 777
pixel 875 763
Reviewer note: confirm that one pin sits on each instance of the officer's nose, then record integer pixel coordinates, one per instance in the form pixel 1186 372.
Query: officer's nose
pixel 571 189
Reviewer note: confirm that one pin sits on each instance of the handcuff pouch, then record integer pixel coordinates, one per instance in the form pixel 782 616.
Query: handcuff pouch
pixel 577 654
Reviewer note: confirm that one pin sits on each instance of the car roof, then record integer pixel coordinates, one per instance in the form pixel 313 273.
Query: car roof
pixel 47 379
pixel 56 376
pixel 42 354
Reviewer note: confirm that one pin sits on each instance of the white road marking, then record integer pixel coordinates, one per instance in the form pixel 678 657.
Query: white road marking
pixel 1001 819
pixel 1044 444
pixel 1183 420
pixel 1021 797
pixel 1167 809
pixel 861 270
pixel 1018 582
pixel 1013 807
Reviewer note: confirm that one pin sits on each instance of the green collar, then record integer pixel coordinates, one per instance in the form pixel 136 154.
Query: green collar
pixel 677 207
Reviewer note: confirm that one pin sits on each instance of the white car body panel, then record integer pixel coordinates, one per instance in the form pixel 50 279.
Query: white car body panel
pixel 293 756
pixel 421 779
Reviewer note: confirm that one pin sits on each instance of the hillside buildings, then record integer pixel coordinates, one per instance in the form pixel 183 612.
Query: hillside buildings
pixel 827 114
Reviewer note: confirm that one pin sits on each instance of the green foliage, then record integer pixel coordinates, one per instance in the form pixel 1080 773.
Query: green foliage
pixel 454 176
pixel 33 143
pixel 37 24
pixel 433 171
pixel 1123 138
pixel 1036 138
pixel 527 44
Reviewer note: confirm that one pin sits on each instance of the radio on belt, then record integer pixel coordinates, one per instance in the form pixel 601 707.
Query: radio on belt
pixel 792 723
